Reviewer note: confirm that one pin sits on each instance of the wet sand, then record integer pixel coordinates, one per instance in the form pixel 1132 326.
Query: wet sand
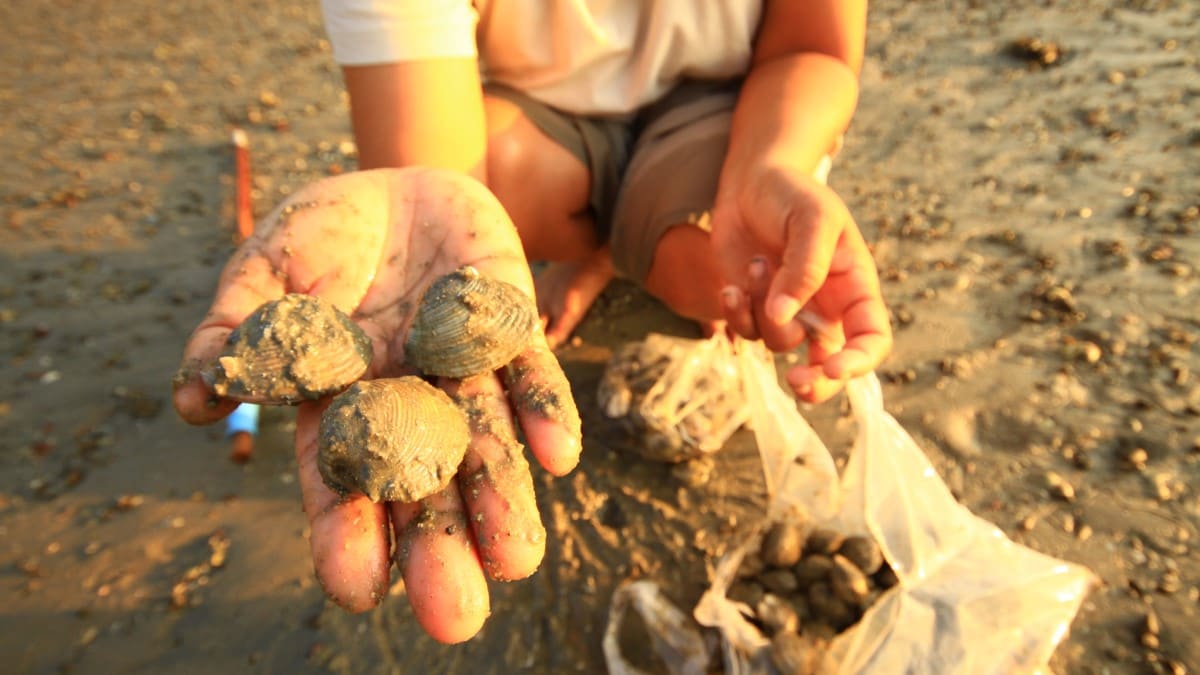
pixel 1033 219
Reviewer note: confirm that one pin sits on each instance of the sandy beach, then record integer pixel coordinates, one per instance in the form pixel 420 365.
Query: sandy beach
pixel 1026 173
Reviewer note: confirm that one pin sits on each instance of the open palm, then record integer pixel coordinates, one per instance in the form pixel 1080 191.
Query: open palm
pixel 370 243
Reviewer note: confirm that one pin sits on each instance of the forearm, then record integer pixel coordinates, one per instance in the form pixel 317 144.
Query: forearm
pixel 427 113
pixel 790 114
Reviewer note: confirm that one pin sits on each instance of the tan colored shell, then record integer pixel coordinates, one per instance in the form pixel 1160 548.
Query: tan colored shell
pixel 849 582
pixel 393 440
pixel 296 348
pixel 469 324
pixel 782 544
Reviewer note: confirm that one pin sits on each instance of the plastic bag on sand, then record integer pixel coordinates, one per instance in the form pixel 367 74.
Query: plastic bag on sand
pixel 969 600
pixel 680 398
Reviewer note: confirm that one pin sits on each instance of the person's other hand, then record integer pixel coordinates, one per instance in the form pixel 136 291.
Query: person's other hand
pixel 371 242
pixel 786 242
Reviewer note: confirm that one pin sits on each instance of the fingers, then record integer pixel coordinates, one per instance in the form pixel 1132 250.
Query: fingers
pixel 776 336
pixel 558 325
pixel 852 295
pixel 739 315
pixel 541 395
pixel 324 240
pixel 807 255
pixel 442 574
pixel 349 534
pixel 496 484
pixel 868 339
pixel 810 382
pixel 247 281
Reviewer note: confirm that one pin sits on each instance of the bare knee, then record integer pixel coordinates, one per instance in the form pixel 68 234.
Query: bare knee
pixel 684 273
pixel 542 185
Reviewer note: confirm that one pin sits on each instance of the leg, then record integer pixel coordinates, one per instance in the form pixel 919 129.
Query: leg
pixel 541 184
pixel 660 235
pixel 539 174
pixel 684 275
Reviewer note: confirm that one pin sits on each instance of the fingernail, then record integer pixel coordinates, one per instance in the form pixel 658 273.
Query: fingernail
pixel 782 308
pixel 803 389
pixel 758 268
pixel 732 297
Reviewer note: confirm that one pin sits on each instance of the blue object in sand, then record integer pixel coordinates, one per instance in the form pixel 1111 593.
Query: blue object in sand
pixel 243 418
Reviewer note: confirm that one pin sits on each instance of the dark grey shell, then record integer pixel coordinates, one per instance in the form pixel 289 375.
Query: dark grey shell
pixel 395 440
pixel 469 324
pixel 796 654
pixel 824 540
pixel 863 552
pixel 296 348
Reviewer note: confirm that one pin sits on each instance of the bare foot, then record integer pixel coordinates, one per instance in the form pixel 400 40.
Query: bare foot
pixel 565 291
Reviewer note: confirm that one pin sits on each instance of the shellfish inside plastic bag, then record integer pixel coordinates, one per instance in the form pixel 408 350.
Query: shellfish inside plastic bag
pixel 968 599
pixel 680 398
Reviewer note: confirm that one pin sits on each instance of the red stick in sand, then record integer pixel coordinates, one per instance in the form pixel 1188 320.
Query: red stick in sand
pixel 242 441
pixel 242 197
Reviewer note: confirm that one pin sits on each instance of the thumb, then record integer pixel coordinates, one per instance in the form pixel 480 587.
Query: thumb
pixel 247 282
pixel 807 256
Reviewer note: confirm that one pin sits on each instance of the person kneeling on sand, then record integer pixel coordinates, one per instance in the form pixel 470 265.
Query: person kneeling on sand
pixel 608 139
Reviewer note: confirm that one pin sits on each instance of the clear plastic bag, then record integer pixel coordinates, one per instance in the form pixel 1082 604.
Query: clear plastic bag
pixel 675 640
pixel 969 600
pixel 679 398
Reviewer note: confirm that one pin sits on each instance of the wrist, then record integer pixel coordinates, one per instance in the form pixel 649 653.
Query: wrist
pixel 791 114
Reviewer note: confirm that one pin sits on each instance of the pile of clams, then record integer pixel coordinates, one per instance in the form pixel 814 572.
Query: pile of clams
pixel 397 439
pixel 678 399
pixel 805 586
pixel 403 439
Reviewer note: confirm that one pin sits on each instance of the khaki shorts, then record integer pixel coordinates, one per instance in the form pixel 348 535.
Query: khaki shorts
pixel 649 173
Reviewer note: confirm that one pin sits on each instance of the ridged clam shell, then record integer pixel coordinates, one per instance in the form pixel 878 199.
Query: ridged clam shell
pixel 391 439
pixel 863 552
pixel 783 544
pixel 469 324
pixel 295 348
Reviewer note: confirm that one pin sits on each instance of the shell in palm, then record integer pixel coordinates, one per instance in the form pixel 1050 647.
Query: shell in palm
pixel 469 324
pixel 396 439
pixel 296 348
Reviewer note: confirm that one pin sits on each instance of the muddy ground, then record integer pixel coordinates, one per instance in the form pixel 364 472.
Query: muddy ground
pixel 1033 208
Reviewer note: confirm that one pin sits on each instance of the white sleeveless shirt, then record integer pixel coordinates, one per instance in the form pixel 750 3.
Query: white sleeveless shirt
pixel 605 57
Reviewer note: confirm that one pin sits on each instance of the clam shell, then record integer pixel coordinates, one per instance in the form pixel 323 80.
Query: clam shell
pixel 823 540
pixel 812 569
pixel 776 614
pixel 863 552
pixel 288 350
pixel 795 654
pixel 826 606
pixel 395 440
pixel 469 324
pixel 782 544
pixel 849 582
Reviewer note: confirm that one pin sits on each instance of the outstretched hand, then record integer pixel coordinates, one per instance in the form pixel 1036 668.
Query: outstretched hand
pixel 789 248
pixel 371 242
